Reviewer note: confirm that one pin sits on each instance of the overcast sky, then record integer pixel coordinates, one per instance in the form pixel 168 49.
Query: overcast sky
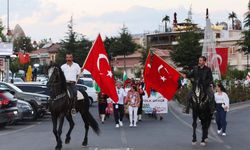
pixel 48 18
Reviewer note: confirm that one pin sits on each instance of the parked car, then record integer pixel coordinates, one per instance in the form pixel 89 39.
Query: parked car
pixel 39 102
pixel 25 111
pixel 33 87
pixel 8 107
pixel 87 82
pixel 90 91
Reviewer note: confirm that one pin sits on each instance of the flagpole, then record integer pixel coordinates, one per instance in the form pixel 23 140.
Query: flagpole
pixel 168 64
pixel 90 51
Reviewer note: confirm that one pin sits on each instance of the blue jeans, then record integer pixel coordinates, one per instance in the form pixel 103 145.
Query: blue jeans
pixel 221 115
pixel 73 94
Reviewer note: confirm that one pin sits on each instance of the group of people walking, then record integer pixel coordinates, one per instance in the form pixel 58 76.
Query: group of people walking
pixel 129 101
pixel 132 99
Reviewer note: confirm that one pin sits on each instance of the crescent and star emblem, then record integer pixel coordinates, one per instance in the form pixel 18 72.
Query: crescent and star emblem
pixel 217 56
pixel 163 78
pixel 102 56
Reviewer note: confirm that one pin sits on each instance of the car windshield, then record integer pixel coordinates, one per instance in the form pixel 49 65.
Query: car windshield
pixel 15 88
pixel 8 95
pixel 88 83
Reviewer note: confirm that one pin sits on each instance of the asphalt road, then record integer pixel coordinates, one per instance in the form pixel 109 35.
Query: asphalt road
pixel 174 132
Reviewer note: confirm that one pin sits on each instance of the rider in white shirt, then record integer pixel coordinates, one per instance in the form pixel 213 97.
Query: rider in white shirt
pixel 71 71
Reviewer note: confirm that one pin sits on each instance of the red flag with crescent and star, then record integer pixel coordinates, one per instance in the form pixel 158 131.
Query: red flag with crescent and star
pixel 23 58
pixel 97 64
pixel 161 77
pixel 222 56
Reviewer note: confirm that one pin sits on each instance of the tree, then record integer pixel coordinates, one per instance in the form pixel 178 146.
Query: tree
pixel 245 40
pixel 74 43
pixel 2 36
pixel 232 16
pixel 165 20
pixel 188 50
pixel 23 43
pixel 121 45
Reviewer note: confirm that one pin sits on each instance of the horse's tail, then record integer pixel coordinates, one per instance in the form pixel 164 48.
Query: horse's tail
pixel 93 124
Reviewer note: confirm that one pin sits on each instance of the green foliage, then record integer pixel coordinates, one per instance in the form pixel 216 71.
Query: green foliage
pixel 2 36
pixel 165 20
pixel 188 50
pixel 121 45
pixel 232 16
pixel 236 74
pixel 23 43
pixel 238 93
pixel 76 44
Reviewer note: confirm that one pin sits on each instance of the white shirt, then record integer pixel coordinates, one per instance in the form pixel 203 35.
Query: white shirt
pixel 222 98
pixel 121 94
pixel 71 72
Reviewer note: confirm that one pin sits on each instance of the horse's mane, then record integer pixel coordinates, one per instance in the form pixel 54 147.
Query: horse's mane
pixel 63 79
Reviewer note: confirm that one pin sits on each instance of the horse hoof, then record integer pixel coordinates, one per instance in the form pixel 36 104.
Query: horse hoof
pixel 203 144
pixel 84 145
pixel 67 140
pixel 58 148
pixel 194 143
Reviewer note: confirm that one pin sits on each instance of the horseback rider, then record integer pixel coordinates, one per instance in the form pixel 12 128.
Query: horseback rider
pixel 202 75
pixel 71 71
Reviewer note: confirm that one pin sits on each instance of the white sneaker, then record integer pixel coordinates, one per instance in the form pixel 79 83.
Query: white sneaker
pixel 135 125
pixel 117 126
pixel 224 134
pixel 120 123
pixel 219 131
pixel 131 125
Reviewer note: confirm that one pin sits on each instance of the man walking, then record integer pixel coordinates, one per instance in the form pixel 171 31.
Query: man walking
pixel 119 106
pixel 71 71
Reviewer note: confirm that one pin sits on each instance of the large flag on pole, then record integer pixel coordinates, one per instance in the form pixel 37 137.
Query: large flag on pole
pixel 161 77
pixel 23 58
pixel 97 64
pixel 222 56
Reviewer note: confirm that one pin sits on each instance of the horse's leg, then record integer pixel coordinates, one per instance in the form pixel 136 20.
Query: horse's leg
pixel 85 119
pixel 194 127
pixel 71 126
pixel 204 130
pixel 59 143
pixel 54 121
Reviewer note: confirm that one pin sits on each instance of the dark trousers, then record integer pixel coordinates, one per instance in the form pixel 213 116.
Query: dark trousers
pixel 73 93
pixel 221 115
pixel 118 112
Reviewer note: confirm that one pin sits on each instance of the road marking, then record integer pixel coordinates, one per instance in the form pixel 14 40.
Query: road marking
pixel 19 130
pixel 123 136
pixel 190 126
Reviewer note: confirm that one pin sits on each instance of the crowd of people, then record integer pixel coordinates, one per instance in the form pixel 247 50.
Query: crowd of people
pixel 129 102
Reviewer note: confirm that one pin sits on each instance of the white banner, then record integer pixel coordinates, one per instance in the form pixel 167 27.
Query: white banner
pixel 6 49
pixel 156 104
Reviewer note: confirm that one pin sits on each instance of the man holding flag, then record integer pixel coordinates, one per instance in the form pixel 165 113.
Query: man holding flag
pixel 71 71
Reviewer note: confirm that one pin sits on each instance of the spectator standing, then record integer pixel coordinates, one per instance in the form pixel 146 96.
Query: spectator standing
pixel 119 106
pixel 102 105
pixel 133 100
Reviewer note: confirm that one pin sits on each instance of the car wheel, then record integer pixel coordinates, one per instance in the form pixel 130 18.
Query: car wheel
pixel 35 114
pixel 90 101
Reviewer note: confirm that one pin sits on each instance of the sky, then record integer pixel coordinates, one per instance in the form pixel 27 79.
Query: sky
pixel 44 19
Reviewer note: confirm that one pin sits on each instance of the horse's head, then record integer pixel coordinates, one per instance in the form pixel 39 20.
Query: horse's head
pixel 57 79
pixel 199 94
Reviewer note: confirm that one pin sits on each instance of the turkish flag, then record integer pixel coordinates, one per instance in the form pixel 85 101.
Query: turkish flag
pixel 162 77
pixel 97 64
pixel 222 55
pixel 23 58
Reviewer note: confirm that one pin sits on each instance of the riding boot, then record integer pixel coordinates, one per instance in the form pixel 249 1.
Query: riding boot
pixel 73 110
